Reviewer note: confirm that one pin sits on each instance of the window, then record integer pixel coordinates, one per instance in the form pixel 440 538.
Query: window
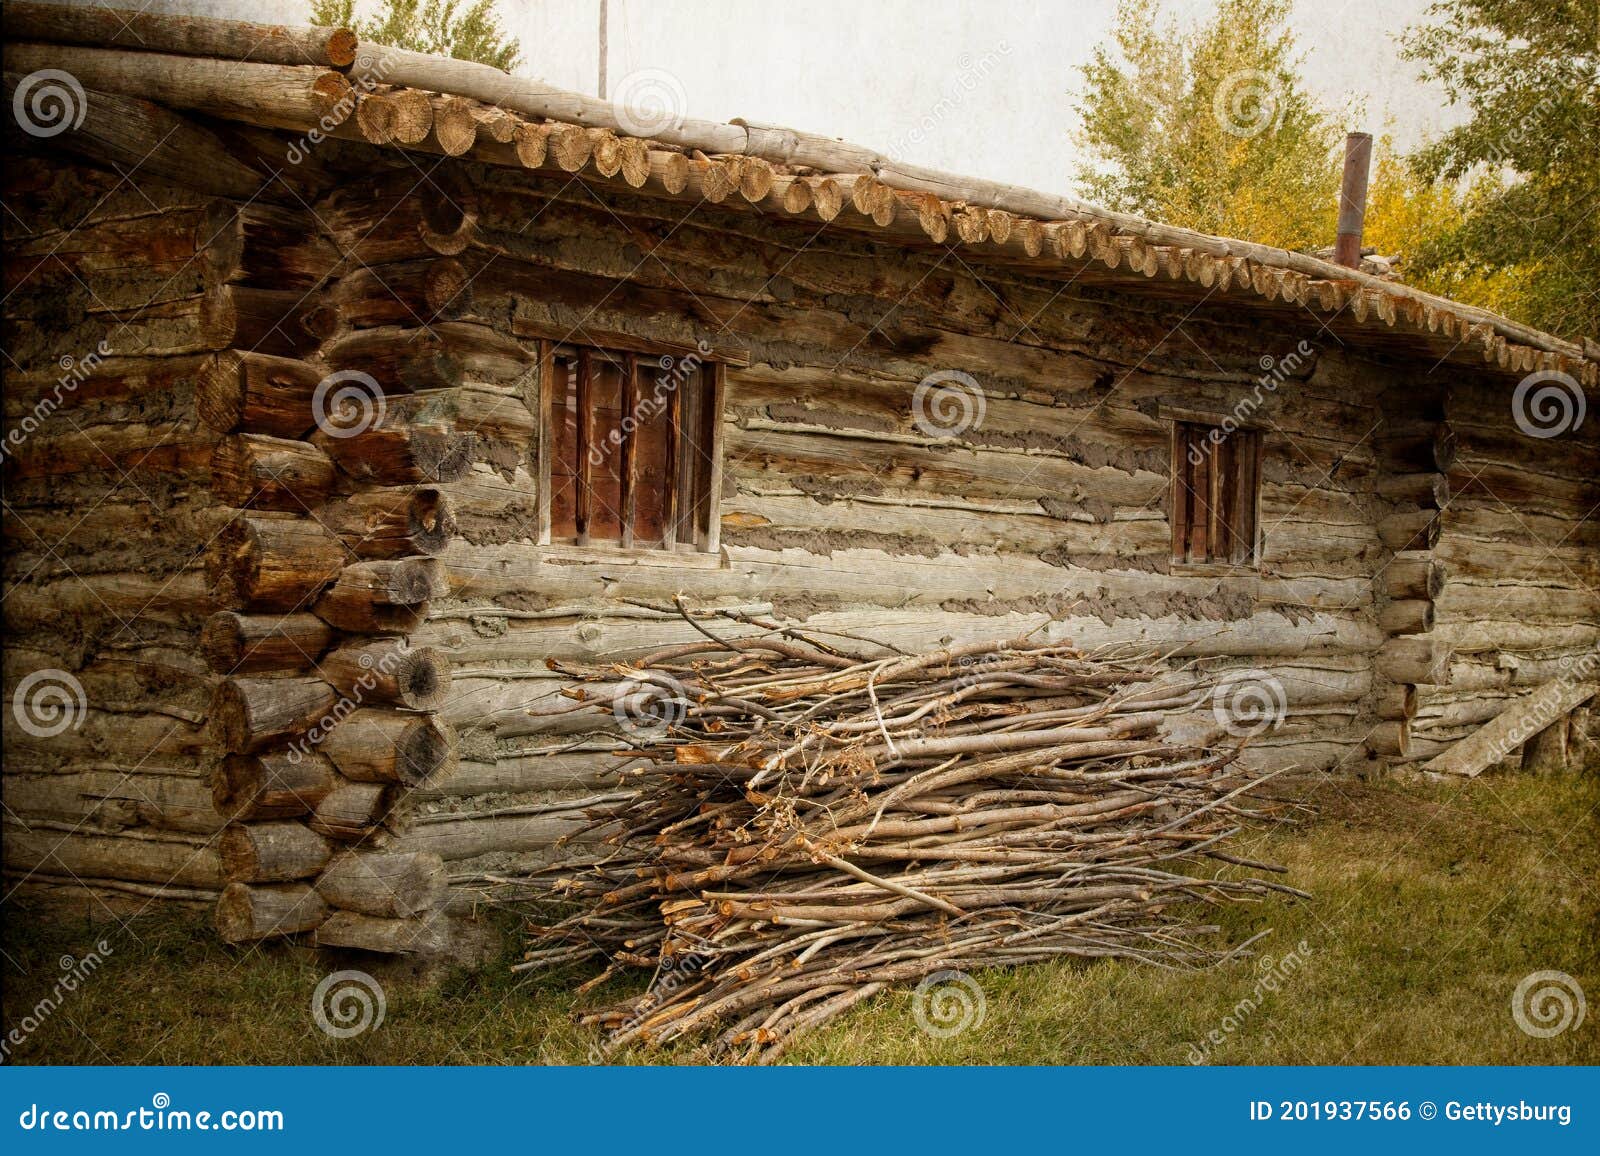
pixel 1216 476
pixel 629 453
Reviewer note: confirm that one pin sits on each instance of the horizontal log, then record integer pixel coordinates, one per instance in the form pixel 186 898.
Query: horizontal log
pixel 1427 450
pixel 250 714
pixel 1410 530
pixel 1414 576
pixel 279 322
pixel 389 524
pixel 385 746
pixel 1391 739
pixel 1429 491
pixel 235 643
pixel 1415 660
pixel 270 785
pixel 267 245
pixel 181 34
pixel 1398 701
pixel 164 863
pixel 276 852
pixel 384 450
pixel 258 563
pixel 381 597
pixel 258 393
pixel 1407 616
pixel 269 473
pixel 389 671
pixel 248 914
pixel 400 360
pixel 407 293
pixel 389 884
pixel 352 811
pixel 424 935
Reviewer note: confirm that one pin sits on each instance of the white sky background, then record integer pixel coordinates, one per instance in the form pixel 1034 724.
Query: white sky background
pixel 874 72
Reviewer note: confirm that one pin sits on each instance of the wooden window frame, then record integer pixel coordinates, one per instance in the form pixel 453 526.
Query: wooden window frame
pixel 686 534
pixel 1233 483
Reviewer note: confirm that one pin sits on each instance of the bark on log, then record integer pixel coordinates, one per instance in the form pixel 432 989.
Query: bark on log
pixel 1408 616
pixel 250 714
pixel 268 473
pixel 388 524
pixel 385 746
pixel 271 564
pixel 1411 530
pixel 272 852
pixel 424 935
pixel 1415 660
pixel 396 885
pixel 352 811
pixel 270 785
pixel 181 34
pixel 246 914
pixel 257 393
pixel 382 597
pixel 235 643
pixel 389 671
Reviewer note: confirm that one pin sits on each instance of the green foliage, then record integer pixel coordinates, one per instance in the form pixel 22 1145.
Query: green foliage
pixel 1528 71
pixel 434 26
pixel 1210 129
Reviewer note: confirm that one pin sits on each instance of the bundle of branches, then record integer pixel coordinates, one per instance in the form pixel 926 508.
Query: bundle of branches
pixel 813 823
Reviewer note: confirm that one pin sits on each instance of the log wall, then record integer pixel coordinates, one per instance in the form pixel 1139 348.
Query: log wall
pixel 313 625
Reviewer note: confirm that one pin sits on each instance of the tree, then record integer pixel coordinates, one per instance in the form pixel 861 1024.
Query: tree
pixel 1528 71
pixel 1210 129
pixel 432 26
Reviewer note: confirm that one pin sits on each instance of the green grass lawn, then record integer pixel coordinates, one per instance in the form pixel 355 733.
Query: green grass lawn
pixel 1432 903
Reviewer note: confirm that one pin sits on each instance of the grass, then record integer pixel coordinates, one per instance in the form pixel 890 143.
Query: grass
pixel 1432 902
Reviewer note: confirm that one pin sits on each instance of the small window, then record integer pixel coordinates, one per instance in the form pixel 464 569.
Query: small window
pixel 629 450
pixel 1216 475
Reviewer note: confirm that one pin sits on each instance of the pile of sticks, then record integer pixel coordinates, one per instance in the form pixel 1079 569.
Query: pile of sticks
pixel 820 817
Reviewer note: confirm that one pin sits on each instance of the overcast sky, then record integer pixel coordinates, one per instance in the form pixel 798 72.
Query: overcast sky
pixel 982 87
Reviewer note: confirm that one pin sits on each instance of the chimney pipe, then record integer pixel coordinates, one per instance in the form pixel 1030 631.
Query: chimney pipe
pixel 1353 198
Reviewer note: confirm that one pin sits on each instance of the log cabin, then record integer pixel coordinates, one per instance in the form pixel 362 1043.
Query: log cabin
pixel 356 397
